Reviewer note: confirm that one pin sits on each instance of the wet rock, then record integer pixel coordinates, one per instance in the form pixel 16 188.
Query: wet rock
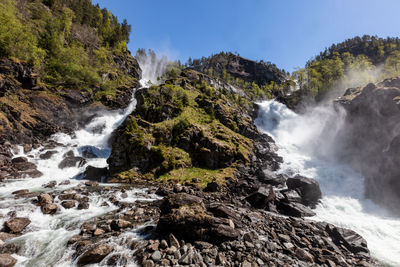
pixel 49 208
pixel 9 248
pixel 350 239
pixel 295 209
pixel 307 188
pixel 68 204
pixel 95 254
pixel 95 174
pixel 50 184
pixel 72 161
pixel 66 182
pixel 83 205
pixel 269 177
pixel 91 183
pixel 47 154
pixel 119 224
pixel 45 199
pixel 98 232
pixel 291 196
pixel 261 197
pixel 7 260
pixel 19 192
pixel 19 160
pixel 90 152
pixel 67 195
pixel 16 225
pixel 5 236
pixel 25 166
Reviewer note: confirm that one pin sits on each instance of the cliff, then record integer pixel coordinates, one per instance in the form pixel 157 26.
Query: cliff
pixel 369 140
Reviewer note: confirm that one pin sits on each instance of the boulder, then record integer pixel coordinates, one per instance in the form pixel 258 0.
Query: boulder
pixel 16 225
pixel 6 260
pixel 119 224
pixel 307 188
pixel 19 160
pixel 45 199
pixel 185 217
pixel 260 198
pixel 95 174
pixel 20 192
pixel 95 254
pixel 49 208
pixel 295 209
pixel 213 186
pixel 47 154
pixel 50 184
pixel 68 204
pixel 350 239
pixel 72 161
pixel 5 236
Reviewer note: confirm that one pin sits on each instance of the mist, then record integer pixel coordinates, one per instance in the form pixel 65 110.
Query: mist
pixel 152 66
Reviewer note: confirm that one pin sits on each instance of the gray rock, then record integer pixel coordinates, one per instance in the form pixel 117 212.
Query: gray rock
pixel 156 256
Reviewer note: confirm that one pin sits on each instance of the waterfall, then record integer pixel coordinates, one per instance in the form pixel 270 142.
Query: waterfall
pixel 305 145
pixel 45 241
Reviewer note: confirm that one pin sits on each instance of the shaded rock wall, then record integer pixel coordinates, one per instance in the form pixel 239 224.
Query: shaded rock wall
pixel 370 138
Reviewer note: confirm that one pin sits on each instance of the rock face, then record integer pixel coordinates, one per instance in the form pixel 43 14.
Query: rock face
pixel 242 68
pixel 370 139
pixel 30 112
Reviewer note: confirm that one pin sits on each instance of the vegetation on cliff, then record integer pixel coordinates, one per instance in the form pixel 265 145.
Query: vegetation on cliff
pixel 259 80
pixel 351 63
pixel 183 130
pixel 71 44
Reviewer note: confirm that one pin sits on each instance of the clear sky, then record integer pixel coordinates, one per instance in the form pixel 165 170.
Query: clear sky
pixel 285 32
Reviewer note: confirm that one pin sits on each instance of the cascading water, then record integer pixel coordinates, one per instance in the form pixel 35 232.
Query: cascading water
pixel 304 144
pixel 44 242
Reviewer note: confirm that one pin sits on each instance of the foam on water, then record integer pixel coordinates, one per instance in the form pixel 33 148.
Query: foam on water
pixel 44 242
pixel 304 144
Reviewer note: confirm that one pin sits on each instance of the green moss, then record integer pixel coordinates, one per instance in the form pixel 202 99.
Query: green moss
pixel 198 176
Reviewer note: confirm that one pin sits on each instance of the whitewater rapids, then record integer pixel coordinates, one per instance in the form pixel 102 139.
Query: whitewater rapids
pixel 45 241
pixel 304 144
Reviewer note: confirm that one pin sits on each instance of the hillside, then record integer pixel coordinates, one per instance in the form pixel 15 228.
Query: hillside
pixel 58 56
pixel 354 62
pixel 259 80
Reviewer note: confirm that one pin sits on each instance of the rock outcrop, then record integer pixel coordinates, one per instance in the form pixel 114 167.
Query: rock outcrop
pixel 370 139
pixel 30 111
pixel 187 126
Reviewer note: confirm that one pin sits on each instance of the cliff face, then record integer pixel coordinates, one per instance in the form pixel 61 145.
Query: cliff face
pixel 224 64
pixel 30 111
pixel 370 138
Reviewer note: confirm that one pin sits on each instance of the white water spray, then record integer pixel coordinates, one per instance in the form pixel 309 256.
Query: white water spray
pixel 304 145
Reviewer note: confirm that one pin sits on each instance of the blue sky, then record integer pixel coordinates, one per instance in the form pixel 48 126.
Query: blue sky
pixel 285 32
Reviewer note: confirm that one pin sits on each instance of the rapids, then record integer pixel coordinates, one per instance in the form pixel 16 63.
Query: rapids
pixel 305 144
pixel 44 242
